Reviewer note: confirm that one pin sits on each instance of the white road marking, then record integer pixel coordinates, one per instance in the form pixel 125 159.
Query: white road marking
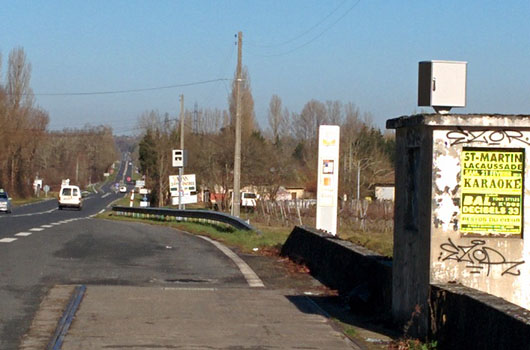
pixel 191 289
pixel 101 211
pixel 31 214
pixel 36 229
pixel 56 223
pixel 7 240
pixel 23 234
pixel 46 226
pixel 105 195
pixel 252 279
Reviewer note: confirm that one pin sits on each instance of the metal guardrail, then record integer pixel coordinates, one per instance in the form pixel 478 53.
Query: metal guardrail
pixel 208 215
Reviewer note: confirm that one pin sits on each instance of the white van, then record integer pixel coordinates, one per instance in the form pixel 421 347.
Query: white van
pixel 248 200
pixel 70 197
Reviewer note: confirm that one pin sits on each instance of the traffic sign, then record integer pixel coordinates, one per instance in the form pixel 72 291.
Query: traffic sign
pixel 178 158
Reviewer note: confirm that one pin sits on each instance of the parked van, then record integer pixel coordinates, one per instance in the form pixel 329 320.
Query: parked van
pixel 70 197
pixel 248 200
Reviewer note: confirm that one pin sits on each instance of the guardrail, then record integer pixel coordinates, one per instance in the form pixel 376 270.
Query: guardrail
pixel 207 215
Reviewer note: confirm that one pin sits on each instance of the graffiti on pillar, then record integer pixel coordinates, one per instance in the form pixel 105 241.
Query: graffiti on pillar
pixel 487 137
pixel 478 257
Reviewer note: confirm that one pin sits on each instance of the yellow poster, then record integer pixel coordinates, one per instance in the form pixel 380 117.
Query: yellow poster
pixel 492 191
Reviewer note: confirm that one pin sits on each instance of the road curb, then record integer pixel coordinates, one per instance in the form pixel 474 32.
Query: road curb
pixel 67 318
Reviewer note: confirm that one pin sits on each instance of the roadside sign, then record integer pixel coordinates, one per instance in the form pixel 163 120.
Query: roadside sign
pixel 328 178
pixel 189 189
pixel 178 157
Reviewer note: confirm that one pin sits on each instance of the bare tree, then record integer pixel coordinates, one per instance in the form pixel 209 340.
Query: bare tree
pixel 18 80
pixel 307 122
pixel 248 118
pixel 278 118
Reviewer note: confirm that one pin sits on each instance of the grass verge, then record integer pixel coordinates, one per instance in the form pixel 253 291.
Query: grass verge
pixel 267 239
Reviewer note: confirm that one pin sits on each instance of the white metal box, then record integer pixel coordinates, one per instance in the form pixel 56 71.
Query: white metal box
pixel 442 84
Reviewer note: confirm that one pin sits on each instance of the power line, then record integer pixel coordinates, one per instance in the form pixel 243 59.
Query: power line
pixel 111 92
pixel 301 34
pixel 315 37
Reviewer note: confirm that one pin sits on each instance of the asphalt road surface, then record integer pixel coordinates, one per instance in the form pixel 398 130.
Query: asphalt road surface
pixel 42 247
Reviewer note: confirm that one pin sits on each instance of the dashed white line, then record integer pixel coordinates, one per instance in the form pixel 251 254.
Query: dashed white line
pixel 36 229
pixel 23 234
pixel 31 214
pixel 105 195
pixel 252 279
pixel 7 240
pixel 46 226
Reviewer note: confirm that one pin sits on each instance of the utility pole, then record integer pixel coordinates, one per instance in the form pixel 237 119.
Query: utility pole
pixel 358 179
pixel 237 157
pixel 181 169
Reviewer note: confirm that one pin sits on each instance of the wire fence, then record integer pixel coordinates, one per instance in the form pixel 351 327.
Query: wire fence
pixel 356 215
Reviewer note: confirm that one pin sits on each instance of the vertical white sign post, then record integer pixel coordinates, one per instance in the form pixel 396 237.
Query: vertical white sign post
pixel 328 178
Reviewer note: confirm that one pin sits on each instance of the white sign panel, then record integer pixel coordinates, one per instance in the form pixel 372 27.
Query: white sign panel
pixel 328 178
pixel 189 189
pixel 177 157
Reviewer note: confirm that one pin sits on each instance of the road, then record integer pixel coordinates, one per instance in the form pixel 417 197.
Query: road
pixel 37 251
pixel 42 247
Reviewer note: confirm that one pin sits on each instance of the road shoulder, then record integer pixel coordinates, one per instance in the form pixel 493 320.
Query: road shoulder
pixel 48 315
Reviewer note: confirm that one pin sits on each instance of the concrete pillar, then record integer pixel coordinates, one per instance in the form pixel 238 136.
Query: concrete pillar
pixel 460 207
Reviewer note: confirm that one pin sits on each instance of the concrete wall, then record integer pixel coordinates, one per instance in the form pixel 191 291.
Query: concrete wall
pixel 459 317
pixel 343 266
pixel 464 318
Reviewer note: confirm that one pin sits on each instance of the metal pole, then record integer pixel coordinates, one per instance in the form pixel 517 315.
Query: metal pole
pixel 237 157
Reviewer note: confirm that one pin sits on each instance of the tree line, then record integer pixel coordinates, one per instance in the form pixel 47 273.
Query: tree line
pixel 285 154
pixel 29 150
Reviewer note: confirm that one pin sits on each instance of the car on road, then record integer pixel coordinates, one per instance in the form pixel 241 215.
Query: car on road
pixel 5 201
pixel 70 197
pixel 123 189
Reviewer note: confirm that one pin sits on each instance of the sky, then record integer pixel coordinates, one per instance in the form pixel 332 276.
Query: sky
pixel 361 51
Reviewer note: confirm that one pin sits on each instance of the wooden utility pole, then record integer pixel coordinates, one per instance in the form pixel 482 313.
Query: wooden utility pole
pixel 237 156
pixel 181 169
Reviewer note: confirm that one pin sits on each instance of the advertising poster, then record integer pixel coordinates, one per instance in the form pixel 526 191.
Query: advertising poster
pixel 492 183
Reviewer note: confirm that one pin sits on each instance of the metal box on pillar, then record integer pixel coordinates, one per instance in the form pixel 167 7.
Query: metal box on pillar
pixel 442 84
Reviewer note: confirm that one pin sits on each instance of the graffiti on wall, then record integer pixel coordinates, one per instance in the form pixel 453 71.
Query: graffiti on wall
pixel 486 137
pixel 478 257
